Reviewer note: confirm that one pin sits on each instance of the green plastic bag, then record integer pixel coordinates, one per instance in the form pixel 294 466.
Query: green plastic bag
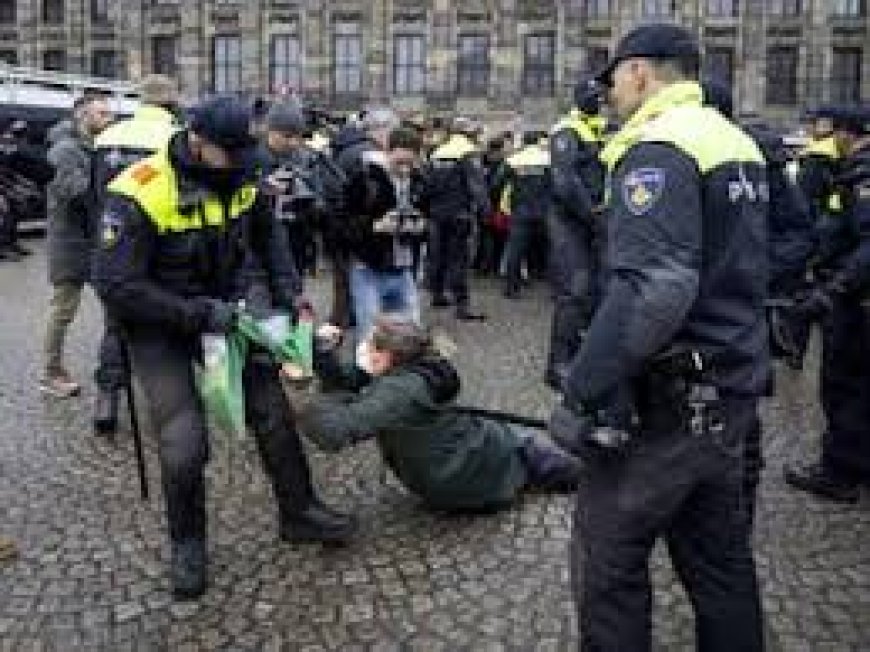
pixel 286 343
pixel 219 382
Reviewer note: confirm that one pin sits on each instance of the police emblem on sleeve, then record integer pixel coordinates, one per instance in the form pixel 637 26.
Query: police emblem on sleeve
pixel 110 229
pixel 642 188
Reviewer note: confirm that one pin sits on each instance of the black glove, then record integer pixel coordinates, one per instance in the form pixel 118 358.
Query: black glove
pixel 216 316
pixel 585 436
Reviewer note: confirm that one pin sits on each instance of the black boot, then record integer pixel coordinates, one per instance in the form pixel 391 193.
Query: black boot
pixel 816 479
pixel 548 468
pixel 188 569
pixel 106 413
pixel 440 301
pixel 317 522
pixel 464 313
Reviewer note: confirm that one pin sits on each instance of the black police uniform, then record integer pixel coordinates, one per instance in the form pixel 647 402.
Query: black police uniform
pixel 842 302
pixel 115 148
pixel 178 240
pixel 528 194
pixel 578 189
pixel 457 197
pixel 681 321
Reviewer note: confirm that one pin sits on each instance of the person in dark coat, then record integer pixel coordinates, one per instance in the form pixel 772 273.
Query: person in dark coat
pixel 24 170
pixel 70 195
pixel 453 461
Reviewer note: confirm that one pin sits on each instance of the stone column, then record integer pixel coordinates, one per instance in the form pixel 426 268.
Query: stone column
pixel 750 70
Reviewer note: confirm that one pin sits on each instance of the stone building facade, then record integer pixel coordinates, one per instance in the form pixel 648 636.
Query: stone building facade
pixel 498 58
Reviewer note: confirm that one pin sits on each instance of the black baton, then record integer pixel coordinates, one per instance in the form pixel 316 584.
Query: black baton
pixel 507 417
pixel 134 424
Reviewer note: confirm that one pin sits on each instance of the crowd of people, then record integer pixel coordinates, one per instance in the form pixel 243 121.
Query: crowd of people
pixel 684 247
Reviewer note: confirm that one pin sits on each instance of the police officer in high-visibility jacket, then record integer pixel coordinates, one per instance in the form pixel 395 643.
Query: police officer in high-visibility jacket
pixel 574 224
pixel 841 301
pixel 680 328
pixel 120 145
pixel 184 236
pixel 526 198
pixel 456 193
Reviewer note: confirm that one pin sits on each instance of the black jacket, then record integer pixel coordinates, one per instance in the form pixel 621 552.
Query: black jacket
pixel 687 259
pixel 370 194
pixel 851 270
pixel 154 279
pixel 577 175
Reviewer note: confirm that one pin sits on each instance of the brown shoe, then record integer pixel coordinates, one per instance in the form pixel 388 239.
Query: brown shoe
pixel 8 549
pixel 59 384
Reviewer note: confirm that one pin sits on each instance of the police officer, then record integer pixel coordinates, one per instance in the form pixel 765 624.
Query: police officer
pixel 184 235
pixel 526 197
pixel 117 147
pixel 681 324
pixel 578 189
pixel 457 197
pixel 841 301
pixel 791 243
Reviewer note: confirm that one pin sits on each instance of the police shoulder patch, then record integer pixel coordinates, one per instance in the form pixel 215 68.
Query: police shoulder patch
pixel 642 188
pixel 143 173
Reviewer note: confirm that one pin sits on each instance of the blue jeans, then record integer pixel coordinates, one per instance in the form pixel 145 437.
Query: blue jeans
pixel 374 292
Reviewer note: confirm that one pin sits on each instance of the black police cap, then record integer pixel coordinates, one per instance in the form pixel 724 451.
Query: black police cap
pixel 651 41
pixel 225 121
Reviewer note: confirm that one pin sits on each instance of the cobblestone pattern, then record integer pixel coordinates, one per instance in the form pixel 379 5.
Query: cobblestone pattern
pixel 92 570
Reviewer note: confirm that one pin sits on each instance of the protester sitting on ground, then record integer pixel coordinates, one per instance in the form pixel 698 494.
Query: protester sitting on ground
pixel 452 460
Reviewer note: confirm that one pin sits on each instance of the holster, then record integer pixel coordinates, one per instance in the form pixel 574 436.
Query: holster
pixel 677 393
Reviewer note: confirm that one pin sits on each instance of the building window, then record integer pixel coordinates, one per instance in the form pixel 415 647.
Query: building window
pixel 409 64
pixel 9 57
pixel 54 60
pixel 785 8
pixel 782 72
pixel 7 11
pixel 163 49
pixel 347 60
pixel 596 8
pixel 539 64
pixel 100 11
pixel 846 75
pixel 658 8
pixel 52 11
pixel 285 63
pixel 723 8
pixel 719 65
pixel 473 65
pixel 104 63
pixel 226 64
pixel 847 8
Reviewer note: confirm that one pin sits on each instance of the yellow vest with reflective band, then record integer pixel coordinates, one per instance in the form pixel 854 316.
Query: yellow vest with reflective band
pixel 588 128
pixel 457 146
pixel 530 156
pixel 826 148
pixel 153 185
pixel 149 128
pixel 675 116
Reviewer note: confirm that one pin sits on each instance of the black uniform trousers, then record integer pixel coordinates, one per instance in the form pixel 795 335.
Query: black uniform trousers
pixel 845 390
pixel 449 257
pixel 574 270
pixel 689 490
pixel 162 363
pixel 111 374
pixel 524 233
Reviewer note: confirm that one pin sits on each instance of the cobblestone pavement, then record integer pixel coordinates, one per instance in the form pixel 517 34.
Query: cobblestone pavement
pixel 91 575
